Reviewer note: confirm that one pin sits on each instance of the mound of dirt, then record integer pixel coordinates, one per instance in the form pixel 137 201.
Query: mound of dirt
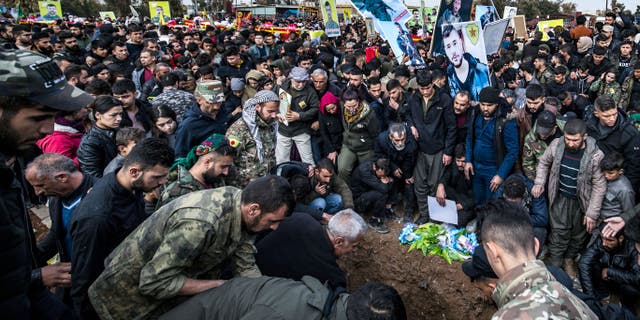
pixel 430 288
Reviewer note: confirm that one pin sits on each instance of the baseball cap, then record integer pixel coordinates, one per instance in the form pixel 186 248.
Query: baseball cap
pixel 39 79
pixel 545 122
pixel 479 265
pixel 210 90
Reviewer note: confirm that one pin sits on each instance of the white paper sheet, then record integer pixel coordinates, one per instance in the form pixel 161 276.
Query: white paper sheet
pixel 447 214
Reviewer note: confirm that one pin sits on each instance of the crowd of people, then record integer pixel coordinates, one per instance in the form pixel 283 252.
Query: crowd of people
pixel 223 173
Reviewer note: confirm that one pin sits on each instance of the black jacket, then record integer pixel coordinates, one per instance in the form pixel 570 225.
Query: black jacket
pixel 404 159
pixel 331 132
pixel 106 215
pixel 53 243
pixel 196 127
pixel 364 179
pixel 15 245
pixel 554 89
pixel 151 89
pixel 402 114
pixel 436 129
pixel 126 66
pixel 623 138
pixel 457 187
pixel 304 102
pixel 622 263
pixel 300 246
pixel 97 148
pixel 143 116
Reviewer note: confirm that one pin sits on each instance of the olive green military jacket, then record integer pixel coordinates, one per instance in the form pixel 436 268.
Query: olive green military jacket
pixel 191 237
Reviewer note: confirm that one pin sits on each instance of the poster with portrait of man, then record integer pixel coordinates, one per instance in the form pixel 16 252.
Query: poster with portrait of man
pixel 159 12
pixel 50 10
pixel 509 13
pixel 449 12
pixel 465 51
pixel 330 17
pixel 486 15
pixel 389 19
pixel 107 14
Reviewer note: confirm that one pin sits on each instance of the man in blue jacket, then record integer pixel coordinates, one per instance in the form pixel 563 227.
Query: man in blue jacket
pixel 203 119
pixel 492 146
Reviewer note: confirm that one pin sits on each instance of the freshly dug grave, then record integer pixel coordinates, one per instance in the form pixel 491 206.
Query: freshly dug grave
pixel 430 288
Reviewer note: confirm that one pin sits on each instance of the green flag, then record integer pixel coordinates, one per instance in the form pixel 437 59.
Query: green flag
pixel 19 13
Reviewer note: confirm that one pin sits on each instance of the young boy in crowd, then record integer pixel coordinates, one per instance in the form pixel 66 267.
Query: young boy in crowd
pixel 126 139
pixel 620 197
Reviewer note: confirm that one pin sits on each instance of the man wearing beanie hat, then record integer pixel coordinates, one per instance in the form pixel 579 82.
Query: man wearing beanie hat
pixel 631 90
pixel 492 146
pixel 234 101
pixel 42 43
pixel 302 111
pixel 205 167
pixel 254 137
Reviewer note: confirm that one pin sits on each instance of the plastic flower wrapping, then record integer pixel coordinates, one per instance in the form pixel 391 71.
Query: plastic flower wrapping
pixel 442 240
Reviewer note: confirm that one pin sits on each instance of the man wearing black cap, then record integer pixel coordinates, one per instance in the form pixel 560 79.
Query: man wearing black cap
pixel 492 146
pixel 32 90
pixel 546 129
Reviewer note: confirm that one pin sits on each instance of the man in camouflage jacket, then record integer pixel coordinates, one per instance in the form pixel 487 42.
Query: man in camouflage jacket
pixel 181 249
pixel 529 291
pixel 254 137
pixel 546 129
pixel 525 289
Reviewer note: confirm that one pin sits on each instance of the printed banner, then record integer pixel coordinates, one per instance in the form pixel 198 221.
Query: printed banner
pixel 546 26
pixel 330 17
pixel 464 47
pixel 346 13
pixel 493 33
pixel 159 12
pixel 50 10
pixel 108 14
pixel 450 11
pixel 486 15
pixel 389 19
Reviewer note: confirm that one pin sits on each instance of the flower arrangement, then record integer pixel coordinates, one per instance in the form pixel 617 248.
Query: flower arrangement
pixel 441 240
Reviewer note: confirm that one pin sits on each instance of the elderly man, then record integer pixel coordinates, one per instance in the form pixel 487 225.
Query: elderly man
pixel 302 111
pixel 57 177
pixel 302 246
pixel 182 248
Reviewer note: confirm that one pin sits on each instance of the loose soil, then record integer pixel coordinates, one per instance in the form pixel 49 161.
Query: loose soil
pixel 430 288
pixel 38 227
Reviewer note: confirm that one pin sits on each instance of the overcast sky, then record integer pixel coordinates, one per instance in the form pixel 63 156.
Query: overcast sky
pixel 593 5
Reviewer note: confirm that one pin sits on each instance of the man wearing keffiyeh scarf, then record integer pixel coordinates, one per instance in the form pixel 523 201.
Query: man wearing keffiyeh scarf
pixel 254 137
